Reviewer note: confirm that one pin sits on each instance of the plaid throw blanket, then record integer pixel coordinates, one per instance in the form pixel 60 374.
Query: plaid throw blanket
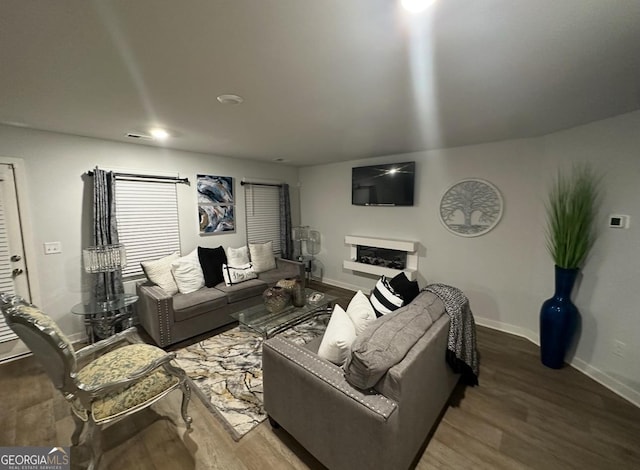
pixel 462 354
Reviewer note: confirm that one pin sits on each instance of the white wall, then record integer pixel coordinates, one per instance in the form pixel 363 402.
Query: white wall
pixel 60 204
pixel 507 273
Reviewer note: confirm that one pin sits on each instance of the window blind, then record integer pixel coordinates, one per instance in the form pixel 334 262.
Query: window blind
pixel 147 215
pixel 263 214
pixel 6 277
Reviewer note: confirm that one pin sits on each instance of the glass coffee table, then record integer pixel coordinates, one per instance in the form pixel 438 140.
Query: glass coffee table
pixel 267 324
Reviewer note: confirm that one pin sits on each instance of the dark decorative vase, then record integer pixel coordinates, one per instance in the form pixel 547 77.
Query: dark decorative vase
pixel 298 297
pixel 275 298
pixel 294 286
pixel 558 320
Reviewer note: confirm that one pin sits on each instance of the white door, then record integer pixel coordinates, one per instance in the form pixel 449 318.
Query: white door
pixel 13 270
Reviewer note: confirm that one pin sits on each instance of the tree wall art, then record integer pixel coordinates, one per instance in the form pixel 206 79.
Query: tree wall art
pixel 471 207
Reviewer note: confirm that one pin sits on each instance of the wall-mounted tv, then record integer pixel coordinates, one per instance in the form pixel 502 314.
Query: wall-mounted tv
pixel 389 184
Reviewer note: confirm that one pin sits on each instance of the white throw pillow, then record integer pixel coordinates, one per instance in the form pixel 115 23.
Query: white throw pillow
pixel 360 311
pixel 262 256
pixel 159 272
pixel 187 273
pixel 338 337
pixel 237 257
pixel 235 275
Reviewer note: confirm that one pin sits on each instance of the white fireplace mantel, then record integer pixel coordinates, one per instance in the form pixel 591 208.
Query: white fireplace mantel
pixel 411 247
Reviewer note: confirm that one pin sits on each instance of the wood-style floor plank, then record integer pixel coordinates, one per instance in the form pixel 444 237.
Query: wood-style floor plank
pixel 522 416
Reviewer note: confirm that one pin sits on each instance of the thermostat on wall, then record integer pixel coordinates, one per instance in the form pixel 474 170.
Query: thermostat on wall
pixel 618 221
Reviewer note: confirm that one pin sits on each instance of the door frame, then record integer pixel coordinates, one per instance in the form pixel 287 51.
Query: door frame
pixel 24 206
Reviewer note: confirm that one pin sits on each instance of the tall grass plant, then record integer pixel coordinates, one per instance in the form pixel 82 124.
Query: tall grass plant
pixel 571 210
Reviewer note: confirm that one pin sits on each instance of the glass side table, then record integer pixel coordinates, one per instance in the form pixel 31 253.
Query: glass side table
pixel 103 319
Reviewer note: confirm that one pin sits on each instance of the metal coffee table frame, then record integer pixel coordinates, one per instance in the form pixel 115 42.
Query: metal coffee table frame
pixel 267 324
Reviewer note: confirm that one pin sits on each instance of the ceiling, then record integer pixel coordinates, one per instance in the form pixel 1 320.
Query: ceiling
pixel 322 80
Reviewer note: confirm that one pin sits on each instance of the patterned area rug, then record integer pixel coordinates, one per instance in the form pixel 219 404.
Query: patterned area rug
pixel 226 372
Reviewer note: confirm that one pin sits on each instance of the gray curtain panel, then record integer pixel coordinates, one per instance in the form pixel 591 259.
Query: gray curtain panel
pixel 286 242
pixel 105 231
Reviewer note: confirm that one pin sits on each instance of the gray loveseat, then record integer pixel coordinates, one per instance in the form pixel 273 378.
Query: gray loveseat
pixel 383 426
pixel 171 319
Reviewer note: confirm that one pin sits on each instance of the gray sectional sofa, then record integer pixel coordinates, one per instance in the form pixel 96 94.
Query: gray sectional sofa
pixel 400 358
pixel 171 319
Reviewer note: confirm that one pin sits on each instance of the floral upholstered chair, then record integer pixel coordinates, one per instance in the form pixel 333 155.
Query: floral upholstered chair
pixel 101 389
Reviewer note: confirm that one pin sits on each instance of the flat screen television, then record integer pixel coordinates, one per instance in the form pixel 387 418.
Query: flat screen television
pixel 389 184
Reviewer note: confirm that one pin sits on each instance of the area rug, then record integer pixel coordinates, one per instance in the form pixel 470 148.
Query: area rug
pixel 226 372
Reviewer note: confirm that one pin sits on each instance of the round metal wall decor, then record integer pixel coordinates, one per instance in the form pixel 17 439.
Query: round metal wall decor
pixel 471 207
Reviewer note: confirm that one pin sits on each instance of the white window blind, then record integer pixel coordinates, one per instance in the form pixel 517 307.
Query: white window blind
pixel 147 215
pixel 6 278
pixel 263 214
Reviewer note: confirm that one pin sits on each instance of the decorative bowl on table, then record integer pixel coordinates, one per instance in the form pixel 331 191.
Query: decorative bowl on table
pixel 276 298
pixel 295 288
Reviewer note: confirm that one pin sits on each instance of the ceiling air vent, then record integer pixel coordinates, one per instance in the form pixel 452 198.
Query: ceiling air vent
pixel 133 135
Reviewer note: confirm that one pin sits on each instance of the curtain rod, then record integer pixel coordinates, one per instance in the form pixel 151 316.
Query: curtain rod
pixel 133 176
pixel 242 183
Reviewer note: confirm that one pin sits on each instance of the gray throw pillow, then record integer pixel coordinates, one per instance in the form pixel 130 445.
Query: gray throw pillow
pixel 386 341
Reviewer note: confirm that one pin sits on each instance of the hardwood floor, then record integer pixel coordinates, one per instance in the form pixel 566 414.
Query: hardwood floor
pixel 522 416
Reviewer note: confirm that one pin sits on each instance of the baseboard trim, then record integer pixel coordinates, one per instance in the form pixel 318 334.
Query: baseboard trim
pixel 606 380
pixel 342 285
pixel 508 328
pixel 587 369
pixel 15 357
pixel 78 337
pixel 74 338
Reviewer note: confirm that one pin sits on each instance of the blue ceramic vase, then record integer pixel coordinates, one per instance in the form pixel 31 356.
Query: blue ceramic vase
pixel 558 320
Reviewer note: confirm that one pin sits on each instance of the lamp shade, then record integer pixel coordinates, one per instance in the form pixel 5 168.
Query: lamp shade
pixel 313 242
pixel 301 233
pixel 104 258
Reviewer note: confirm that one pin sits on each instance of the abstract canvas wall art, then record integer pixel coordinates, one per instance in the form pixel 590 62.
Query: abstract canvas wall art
pixel 216 212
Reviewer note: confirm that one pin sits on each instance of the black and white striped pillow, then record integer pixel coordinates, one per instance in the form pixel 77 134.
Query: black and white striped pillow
pixel 383 298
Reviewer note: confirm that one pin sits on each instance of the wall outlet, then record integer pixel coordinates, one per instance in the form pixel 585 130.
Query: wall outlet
pixel 618 348
pixel 52 248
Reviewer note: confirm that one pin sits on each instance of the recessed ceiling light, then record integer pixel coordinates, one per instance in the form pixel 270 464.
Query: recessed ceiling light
pixel 230 99
pixel 279 160
pixel 159 134
pixel 416 6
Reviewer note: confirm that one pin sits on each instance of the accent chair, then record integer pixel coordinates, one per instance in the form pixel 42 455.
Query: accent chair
pixel 103 383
